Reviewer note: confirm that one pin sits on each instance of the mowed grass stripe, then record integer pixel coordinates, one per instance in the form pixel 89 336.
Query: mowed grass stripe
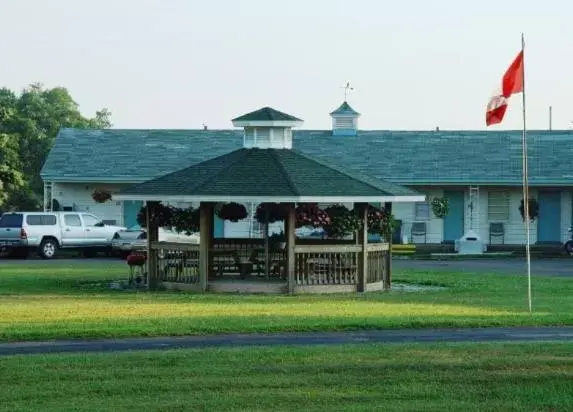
pixel 58 302
pixel 452 377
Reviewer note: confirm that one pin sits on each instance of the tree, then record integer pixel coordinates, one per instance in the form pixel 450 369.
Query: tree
pixel 11 176
pixel 33 120
pixel 102 119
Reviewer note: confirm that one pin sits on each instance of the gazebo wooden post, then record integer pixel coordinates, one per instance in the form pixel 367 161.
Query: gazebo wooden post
pixel 363 255
pixel 152 236
pixel 205 241
pixel 290 245
pixel 266 245
pixel 387 276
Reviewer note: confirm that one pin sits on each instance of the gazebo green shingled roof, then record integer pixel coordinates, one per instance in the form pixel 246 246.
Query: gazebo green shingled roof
pixel 261 173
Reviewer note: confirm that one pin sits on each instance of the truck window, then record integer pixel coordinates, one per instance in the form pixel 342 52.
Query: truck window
pixel 90 220
pixel 41 220
pixel 72 220
pixel 11 220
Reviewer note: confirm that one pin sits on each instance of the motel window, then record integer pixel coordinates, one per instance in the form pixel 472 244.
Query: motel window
pixel 498 206
pixel 422 211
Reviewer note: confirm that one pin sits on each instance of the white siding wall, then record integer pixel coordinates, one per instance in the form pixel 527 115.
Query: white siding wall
pixel 514 227
pixel 79 195
pixel 406 212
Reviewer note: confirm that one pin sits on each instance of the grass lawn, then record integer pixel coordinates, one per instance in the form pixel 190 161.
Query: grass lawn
pixel 54 301
pixel 474 377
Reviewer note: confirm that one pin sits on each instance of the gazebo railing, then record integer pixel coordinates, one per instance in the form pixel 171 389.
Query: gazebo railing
pixel 326 265
pixel 177 262
pixel 239 247
pixel 377 267
pixel 314 264
pixel 228 253
pixel 339 264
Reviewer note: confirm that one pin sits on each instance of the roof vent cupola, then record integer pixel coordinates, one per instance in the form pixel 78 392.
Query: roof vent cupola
pixel 267 128
pixel 344 120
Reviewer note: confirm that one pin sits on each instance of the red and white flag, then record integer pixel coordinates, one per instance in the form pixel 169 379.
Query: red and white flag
pixel 511 83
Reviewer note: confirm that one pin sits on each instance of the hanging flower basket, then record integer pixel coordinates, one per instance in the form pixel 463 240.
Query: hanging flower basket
pixel 186 220
pixel 101 196
pixel 533 209
pixel 309 214
pixel 381 222
pixel 440 207
pixel 162 217
pixel 275 212
pixel 343 222
pixel 232 212
pixel 182 220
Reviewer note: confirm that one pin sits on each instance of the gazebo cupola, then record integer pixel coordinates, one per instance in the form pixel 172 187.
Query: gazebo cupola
pixel 344 120
pixel 267 128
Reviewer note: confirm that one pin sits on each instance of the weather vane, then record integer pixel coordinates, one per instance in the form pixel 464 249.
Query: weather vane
pixel 347 89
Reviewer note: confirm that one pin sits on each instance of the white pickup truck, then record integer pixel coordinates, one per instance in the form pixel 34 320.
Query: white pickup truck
pixel 46 232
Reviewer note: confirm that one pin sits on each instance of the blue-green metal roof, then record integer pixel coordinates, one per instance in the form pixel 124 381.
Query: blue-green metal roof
pixel 407 157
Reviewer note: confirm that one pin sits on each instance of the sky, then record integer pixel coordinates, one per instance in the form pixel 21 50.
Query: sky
pixel 179 64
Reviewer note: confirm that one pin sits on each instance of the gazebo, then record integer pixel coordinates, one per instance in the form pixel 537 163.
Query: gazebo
pixel 267 170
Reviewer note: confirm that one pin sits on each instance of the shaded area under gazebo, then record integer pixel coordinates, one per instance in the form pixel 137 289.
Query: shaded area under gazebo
pixel 257 175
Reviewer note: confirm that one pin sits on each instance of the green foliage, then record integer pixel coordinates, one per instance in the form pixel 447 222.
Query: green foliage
pixel 29 123
pixel 162 217
pixel 310 214
pixel 274 212
pixel 232 211
pixel 11 177
pixel 381 222
pixel 343 222
pixel 102 120
pixel 182 220
pixel 185 220
pixel 533 209
pixel 440 207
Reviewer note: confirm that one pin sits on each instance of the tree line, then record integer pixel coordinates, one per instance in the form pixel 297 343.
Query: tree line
pixel 29 123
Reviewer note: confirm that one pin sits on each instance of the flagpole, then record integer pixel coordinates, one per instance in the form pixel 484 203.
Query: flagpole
pixel 525 180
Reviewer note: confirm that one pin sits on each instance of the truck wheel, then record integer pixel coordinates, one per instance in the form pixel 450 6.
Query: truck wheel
pixel 48 248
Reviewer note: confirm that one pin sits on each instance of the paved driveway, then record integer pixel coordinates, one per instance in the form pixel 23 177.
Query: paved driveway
pixel 544 267
pixel 523 334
